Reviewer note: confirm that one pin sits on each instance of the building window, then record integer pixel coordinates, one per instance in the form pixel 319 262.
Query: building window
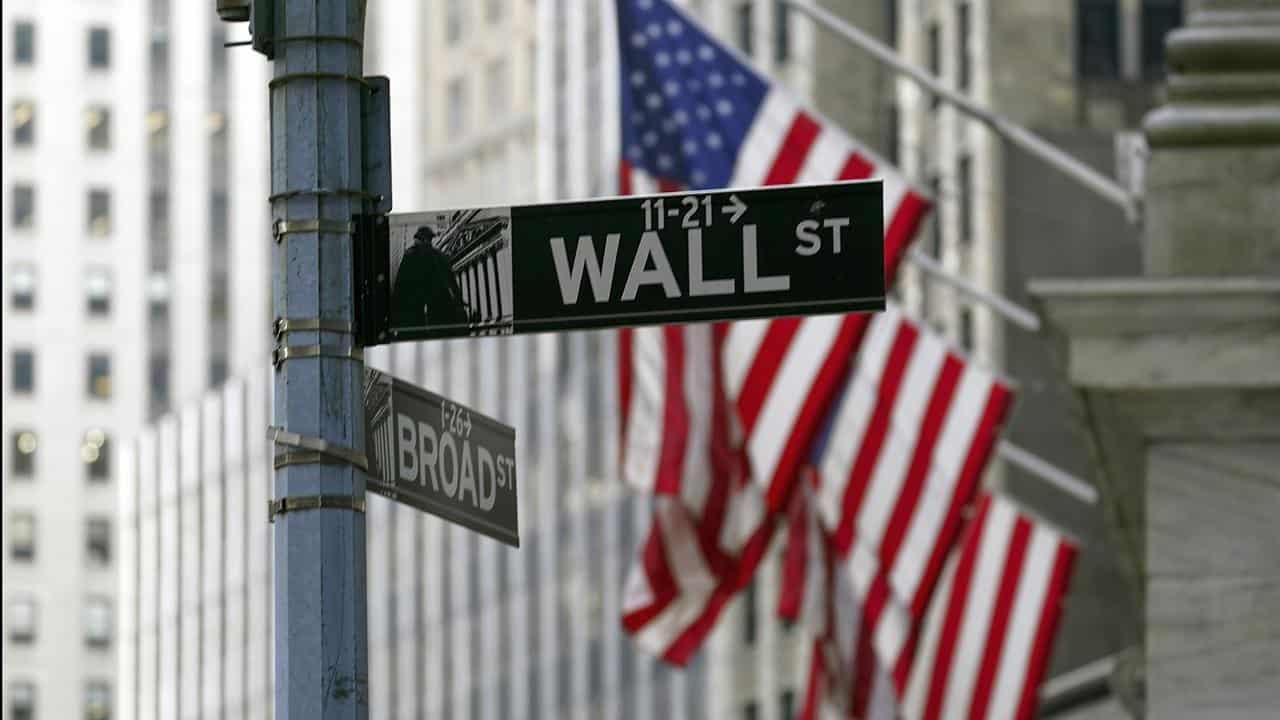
pixel 781 31
pixel 99 376
pixel 22 537
pixel 97 541
pixel 749 615
pixel 95 453
pixel 963 47
pixel 24 123
pixel 966 328
pixel 97 122
pixel 934 49
pixel 22 620
pixel 891 22
pixel 22 701
pixel 24 372
pixel 218 215
pixel 751 711
pixel 24 206
pixel 1159 18
pixel 97 700
pixel 159 383
pixel 24 43
pixel 23 453
pixel 22 287
pixel 97 288
pixel 217 371
pixel 455 20
pixel 99 48
pixel 158 297
pixel 97 622
pixel 964 181
pixel 787 704
pixel 499 87
pixel 457 106
pixel 98 219
pixel 745 27
pixel 1097 39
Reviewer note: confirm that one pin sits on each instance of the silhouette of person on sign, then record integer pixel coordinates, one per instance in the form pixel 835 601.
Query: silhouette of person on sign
pixel 425 290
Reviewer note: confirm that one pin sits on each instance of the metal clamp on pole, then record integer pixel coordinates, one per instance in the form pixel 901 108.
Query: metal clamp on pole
pixel 280 506
pixel 321 192
pixel 282 326
pixel 293 352
pixel 280 228
pixel 279 80
pixel 317 450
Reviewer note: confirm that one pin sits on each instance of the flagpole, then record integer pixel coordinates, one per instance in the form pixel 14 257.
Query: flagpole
pixel 1047 471
pixel 1099 183
pixel 1013 312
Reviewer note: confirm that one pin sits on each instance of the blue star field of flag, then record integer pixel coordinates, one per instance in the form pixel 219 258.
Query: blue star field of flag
pixel 687 102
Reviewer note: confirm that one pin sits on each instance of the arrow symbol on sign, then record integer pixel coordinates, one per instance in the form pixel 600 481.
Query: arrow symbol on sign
pixel 735 208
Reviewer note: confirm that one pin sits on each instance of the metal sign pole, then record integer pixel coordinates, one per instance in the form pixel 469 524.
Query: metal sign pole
pixel 317 186
pixel 321 642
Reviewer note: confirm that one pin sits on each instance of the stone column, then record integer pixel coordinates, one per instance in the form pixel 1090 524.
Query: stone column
pixel 1178 376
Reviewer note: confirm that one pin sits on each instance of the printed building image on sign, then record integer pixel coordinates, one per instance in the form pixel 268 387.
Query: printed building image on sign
pixel 441 457
pixel 672 258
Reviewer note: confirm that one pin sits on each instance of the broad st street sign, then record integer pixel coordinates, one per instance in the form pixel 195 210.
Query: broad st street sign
pixel 436 455
pixel 673 258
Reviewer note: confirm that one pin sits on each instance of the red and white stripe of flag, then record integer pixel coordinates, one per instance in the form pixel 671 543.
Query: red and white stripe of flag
pixel 990 627
pixel 909 441
pixel 780 374
pixel 845 677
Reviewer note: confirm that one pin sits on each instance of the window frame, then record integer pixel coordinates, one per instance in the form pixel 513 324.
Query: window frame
pixel 24 639
pixel 104 640
pixel 98 57
pixel 744 27
pixel 29 712
pixel 24 134
pixel 21 59
pixel 781 32
pixel 99 690
pixel 95 305
pixel 498 86
pixel 97 205
pixel 92 376
pixel 22 358
pixel 18 518
pixel 97 137
pixel 27 192
pixel 22 464
pixel 457 113
pixel 97 470
pixel 1092 70
pixel 18 302
pixel 99 557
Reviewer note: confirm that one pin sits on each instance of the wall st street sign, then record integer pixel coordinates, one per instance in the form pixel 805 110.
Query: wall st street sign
pixel 436 455
pixel 672 258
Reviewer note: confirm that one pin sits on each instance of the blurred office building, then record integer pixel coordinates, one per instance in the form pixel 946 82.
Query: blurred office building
pixel 134 273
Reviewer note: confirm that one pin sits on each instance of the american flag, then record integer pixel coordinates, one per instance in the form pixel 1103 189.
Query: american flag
pixel 892 473
pixel 695 115
pixel 982 648
pixel 717 421
pixel 989 632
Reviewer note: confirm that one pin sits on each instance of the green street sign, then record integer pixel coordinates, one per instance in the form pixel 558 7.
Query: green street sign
pixel 441 457
pixel 670 258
